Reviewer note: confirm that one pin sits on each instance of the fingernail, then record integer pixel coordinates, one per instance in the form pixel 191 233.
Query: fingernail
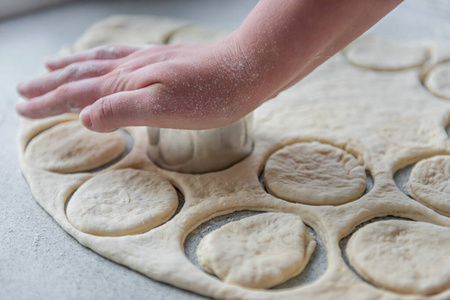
pixel 85 117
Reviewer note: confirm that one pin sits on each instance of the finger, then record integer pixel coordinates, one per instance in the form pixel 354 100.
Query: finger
pixel 103 52
pixel 71 97
pixel 73 72
pixel 128 108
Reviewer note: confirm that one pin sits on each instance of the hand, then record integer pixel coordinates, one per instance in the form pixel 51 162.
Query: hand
pixel 201 86
pixel 172 86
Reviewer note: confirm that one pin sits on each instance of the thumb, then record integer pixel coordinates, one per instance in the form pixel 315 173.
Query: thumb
pixel 128 108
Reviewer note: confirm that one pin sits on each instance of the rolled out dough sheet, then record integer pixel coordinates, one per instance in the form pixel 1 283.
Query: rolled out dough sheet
pixel 383 120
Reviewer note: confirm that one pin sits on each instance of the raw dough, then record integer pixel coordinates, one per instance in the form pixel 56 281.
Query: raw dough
pixel 429 183
pixel 121 30
pixel 386 55
pixel 438 80
pixel 70 147
pixel 196 34
pixel 403 256
pixel 314 173
pixel 121 202
pixel 386 119
pixel 257 252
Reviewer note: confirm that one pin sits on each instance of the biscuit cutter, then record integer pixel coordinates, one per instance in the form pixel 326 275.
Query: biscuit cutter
pixel 200 151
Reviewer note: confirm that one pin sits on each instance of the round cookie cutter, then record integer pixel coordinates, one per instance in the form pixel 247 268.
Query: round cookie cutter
pixel 200 151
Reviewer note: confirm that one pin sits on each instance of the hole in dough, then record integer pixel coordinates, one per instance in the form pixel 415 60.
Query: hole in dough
pixel 429 183
pixel 402 256
pixel 401 177
pixel 69 147
pixel 438 80
pixel 121 202
pixel 314 173
pixel 385 55
pixel 259 251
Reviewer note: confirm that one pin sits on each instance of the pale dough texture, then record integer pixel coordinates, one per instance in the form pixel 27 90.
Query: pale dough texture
pixel 121 30
pixel 69 147
pixel 403 256
pixel 438 80
pixel 196 34
pixel 384 120
pixel 429 183
pixel 257 252
pixel 121 202
pixel 314 173
pixel 386 55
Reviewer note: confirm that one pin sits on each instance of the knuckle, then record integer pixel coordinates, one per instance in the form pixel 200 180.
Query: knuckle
pixel 120 80
pixel 65 101
pixel 61 92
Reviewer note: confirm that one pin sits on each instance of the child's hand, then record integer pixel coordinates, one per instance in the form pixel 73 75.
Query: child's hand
pixel 182 86
pixel 201 86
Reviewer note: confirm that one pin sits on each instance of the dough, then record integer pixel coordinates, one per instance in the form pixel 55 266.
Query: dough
pixel 121 30
pixel 387 120
pixel 300 173
pixel 438 80
pixel 257 252
pixel 429 183
pixel 122 202
pixel 70 147
pixel 403 256
pixel 386 55
pixel 196 34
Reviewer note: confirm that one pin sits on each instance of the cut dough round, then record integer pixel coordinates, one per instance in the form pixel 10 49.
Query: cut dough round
pixel 402 256
pixel 129 31
pixel 257 252
pixel 121 202
pixel 429 183
pixel 69 147
pixel 314 173
pixel 386 55
pixel 438 80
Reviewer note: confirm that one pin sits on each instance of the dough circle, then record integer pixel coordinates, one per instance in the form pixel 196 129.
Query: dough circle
pixel 120 30
pixel 121 202
pixel 69 147
pixel 314 173
pixel 438 80
pixel 386 55
pixel 257 252
pixel 429 183
pixel 402 256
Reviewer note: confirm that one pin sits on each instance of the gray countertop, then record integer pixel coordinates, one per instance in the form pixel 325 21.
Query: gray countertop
pixel 38 260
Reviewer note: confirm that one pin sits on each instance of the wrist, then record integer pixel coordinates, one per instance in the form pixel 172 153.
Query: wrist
pixel 259 58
